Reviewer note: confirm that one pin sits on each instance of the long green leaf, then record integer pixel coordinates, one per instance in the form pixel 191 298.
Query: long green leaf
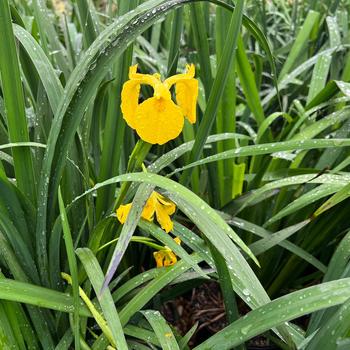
pixel 72 266
pixel 300 42
pixel 47 74
pixel 269 148
pixel 165 335
pixel 38 296
pixel 14 104
pixel 95 274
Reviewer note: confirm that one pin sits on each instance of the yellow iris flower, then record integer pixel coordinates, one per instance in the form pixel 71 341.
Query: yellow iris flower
pixel 59 6
pixel 166 257
pixel 158 119
pixel 156 204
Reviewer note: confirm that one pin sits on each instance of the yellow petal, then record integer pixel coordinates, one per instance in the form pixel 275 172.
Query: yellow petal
pixel 143 78
pixel 123 212
pixel 169 206
pixel 190 72
pixel 165 257
pixel 170 209
pixel 186 98
pixel 186 92
pixel 177 240
pixel 131 91
pixel 158 120
pixel 170 258
pixel 132 71
pixel 159 257
pixel 163 218
pixel 130 101
pixel 149 208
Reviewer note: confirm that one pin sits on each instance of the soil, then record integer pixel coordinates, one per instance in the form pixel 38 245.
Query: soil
pixel 204 304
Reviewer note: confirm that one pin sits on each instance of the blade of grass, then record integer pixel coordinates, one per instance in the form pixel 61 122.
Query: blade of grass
pixel 167 275
pixel 72 267
pixel 8 339
pixel 201 43
pixel 88 26
pixel 96 278
pixel 47 74
pixel 267 243
pixel 49 38
pixel 39 322
pixel 14 104
pixel 331 89
pixel 226 116
pixel 337 268
pixel 186 338
pixel 161 328
pixel 305 200
pixel 338 197
pixel 299 44
pixel 39 296
pixel 246 77
pixel 174 46
pixel 158 233
pixel 171 156
pixel 261 232
pixel 336 328
pixel 319 77
pixel 289 78
pixel 268 148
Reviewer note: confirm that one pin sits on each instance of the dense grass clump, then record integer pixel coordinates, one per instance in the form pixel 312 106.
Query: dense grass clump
pixel 158 154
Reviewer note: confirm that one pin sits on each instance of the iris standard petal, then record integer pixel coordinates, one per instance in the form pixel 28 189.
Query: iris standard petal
pixel 158 120
pixel 130 101
pixel 186 88
pixel 186 98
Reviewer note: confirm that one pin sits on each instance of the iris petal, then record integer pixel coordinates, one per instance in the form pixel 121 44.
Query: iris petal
pixel 149 209
pixel 163 218
pixel 130 101
pixel 123 212
pixel 186 98
pixel 168 205
pixel 158 120
pixel 159 258
pixel 165 257
pixel 170 259
pixel 156 204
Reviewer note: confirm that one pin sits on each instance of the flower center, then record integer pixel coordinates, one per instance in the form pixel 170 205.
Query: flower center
pixel 161 91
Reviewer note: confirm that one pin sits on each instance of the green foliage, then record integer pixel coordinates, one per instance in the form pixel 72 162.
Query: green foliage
pixel 260 181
